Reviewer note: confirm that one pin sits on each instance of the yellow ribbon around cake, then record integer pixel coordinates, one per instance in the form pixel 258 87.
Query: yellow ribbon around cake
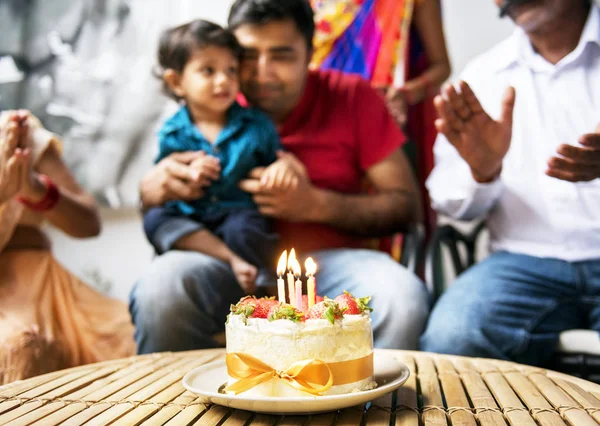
pixel 312 375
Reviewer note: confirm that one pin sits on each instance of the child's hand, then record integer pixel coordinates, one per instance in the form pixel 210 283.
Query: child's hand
pixel 245 274
pixel 209 168
pixel 280 175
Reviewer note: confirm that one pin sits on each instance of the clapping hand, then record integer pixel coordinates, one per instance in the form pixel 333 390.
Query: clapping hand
pixel 577 163
pixel 479 139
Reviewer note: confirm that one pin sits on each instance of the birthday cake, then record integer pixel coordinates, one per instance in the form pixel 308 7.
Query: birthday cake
pixel 280 349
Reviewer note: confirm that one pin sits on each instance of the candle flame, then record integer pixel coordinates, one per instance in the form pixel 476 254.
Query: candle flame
pixel 281 264
pixel 295 266
pixel 291 259
pixel 310 266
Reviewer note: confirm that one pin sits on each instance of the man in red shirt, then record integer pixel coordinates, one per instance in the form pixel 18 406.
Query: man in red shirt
pixel 338 132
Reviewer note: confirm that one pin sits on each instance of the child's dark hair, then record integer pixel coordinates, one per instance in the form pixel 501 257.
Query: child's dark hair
pixel 177 44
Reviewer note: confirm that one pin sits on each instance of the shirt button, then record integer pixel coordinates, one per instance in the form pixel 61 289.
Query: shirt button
pixel 216 150
pixel 214 199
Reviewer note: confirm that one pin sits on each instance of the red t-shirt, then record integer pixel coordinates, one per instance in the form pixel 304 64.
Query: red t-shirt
pixel 340 128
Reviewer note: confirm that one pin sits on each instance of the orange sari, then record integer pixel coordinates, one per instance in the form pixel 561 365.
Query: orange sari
pixel 49 319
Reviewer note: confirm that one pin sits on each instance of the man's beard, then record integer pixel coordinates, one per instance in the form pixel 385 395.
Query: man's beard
pixel 507 4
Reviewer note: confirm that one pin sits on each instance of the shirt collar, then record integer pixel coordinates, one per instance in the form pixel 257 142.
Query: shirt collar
pixel 182 118
pixel 518 48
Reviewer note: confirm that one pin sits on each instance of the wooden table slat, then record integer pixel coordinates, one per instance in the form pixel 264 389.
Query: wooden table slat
pixel 55 413
pixel 213 416
pixel 327 419
pixel 163 416
pixel 21 414
pixel 145 411
pixel 129 391
pixel 264 420
pixel 454 394
pixel 538 406
pixel 431 392
pixel 514 410
pixel 168 412
pixel 559 399
pixel 441 390
pixel 238 418
pixel 407 403
pixel 583 398
pixel 378 417
pixel 186 416
pixel 385 401
pixel 350 417
pixel 482 400
pixel 146 393
pixel 293 421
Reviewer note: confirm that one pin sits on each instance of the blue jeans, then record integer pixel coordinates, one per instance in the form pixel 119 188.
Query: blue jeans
pixel 183 299
pixel 513 307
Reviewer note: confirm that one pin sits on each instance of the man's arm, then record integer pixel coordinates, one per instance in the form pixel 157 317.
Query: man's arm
pixel 395 203
pixel 393 208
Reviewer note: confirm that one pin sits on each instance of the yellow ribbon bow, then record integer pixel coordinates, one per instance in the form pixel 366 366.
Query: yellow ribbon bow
pixel 312 375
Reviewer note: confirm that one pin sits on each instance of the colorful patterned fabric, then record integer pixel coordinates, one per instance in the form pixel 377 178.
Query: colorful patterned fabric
pixel 367 37
pixel 376 39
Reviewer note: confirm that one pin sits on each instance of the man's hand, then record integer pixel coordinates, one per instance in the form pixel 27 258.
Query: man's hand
pixel 481 141
pixel 293 204
pixel 173 178
pixel 577 164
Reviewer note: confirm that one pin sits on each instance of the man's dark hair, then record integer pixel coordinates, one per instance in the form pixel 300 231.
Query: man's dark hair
pixel 177 44
pixel 261 12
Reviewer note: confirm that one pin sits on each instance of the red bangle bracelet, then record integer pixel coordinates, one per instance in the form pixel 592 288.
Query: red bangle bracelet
pixel 50 199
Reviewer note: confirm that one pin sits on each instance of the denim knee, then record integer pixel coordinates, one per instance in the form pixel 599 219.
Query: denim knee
pixel 447 333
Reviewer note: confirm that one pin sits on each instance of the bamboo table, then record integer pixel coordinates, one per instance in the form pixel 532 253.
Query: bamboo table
pixel 442 390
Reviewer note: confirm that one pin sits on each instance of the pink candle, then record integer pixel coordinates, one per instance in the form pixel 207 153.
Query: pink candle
pixel 295 267
pixel 298 294
pixel 311 285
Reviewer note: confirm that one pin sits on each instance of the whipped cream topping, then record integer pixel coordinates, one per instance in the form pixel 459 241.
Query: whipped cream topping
pixel 285 326
pixel 281 343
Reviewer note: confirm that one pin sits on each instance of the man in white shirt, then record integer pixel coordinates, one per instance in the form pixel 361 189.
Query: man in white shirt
pixel 520 146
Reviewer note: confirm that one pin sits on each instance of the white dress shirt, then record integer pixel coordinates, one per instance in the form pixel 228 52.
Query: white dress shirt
pixel 527 211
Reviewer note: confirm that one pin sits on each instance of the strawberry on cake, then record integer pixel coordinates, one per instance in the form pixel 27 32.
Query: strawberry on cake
pixel 277 349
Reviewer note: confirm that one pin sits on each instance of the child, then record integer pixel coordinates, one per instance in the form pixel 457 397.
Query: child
pixel 199 67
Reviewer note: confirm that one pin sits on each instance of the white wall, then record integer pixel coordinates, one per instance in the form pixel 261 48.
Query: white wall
pixel 471 26
pixel 121 253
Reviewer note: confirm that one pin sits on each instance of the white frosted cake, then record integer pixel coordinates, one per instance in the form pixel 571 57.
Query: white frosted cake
pixel 336 333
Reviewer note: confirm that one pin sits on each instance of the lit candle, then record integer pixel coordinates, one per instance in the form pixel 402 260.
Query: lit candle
pixel 297 273
pixel 280 271
pixel 311 285
pixel 290 277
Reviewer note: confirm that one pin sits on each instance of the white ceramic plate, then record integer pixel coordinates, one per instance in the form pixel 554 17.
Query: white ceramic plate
pixel 205 381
